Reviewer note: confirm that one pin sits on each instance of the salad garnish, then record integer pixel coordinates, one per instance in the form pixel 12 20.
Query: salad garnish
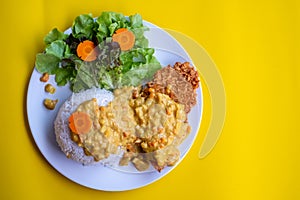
pixel 109 52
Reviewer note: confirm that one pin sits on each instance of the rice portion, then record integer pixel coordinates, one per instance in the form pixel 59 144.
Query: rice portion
pixel 61 123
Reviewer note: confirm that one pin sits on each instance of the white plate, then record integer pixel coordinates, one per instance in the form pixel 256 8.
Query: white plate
pixel 168 51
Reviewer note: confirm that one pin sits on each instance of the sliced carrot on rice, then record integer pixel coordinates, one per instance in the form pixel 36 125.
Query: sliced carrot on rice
pixel 80 123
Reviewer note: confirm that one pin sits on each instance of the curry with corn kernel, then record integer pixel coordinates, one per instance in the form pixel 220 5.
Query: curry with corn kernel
pixel 147 127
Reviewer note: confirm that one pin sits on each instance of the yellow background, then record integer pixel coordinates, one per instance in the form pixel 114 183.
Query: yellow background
pixel 255 45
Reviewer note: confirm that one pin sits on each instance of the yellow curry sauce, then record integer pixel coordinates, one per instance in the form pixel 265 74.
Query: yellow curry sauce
pixel 95 142
pixel 148 128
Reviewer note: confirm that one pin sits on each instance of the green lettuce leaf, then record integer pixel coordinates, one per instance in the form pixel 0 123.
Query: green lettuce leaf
pixel 87 77
pixel 109 78
pixel 108 23
pixel 63 75
pixel 139 65
pixel 57 48
pixel 140 40
pixel 136 57
pixel 137 27
pixel 84 26
pixel 135 21
pixel 140 74
pixel 46 63
pixel 54 35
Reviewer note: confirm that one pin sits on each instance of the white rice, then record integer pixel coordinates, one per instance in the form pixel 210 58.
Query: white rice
pixel 61 124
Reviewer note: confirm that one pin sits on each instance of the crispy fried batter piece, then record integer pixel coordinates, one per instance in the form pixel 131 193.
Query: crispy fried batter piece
pixel 179 82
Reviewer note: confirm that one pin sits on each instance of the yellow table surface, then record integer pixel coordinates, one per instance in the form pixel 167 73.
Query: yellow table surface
pixel 255 45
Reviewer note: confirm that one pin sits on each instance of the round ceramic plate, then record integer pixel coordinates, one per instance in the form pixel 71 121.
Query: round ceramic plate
pixel 167 51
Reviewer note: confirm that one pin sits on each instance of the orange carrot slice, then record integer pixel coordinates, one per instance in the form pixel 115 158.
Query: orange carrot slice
pixel 121 30
pixel 86 50
pixel 125 38
pixel 80 123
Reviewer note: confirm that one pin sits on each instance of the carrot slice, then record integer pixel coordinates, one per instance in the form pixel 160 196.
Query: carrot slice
pixel 121 30
pixel 86 50
pixel 125 38
pixel 80 123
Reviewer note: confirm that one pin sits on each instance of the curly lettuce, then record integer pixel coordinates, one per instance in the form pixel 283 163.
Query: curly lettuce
pixel 84 26
pixel 109 22
pixel 113 68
